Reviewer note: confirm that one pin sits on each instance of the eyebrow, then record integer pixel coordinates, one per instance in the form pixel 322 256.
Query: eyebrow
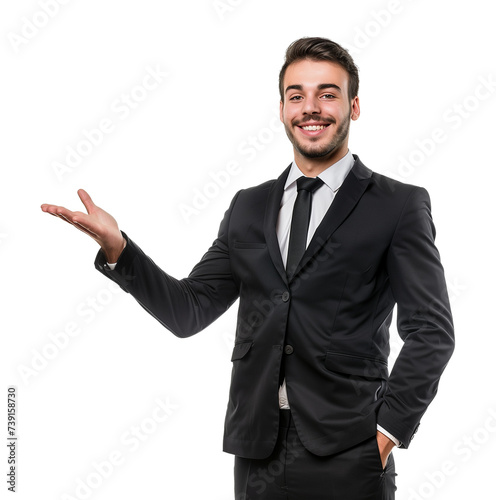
pixel 322 86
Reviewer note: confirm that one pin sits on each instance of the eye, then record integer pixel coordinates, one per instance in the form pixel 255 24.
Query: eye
pixel 295 98
pixel 328 96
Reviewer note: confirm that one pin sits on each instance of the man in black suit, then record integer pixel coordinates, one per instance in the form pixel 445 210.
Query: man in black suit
pixel 318 259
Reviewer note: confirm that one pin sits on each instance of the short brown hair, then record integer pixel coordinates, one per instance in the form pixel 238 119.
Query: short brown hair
pixel 320 49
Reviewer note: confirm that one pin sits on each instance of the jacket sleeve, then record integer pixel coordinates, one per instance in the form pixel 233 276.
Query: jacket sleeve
pixel 423 316
pixel 184 306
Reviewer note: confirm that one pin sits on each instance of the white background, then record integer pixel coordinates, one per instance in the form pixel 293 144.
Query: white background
pixel 76 409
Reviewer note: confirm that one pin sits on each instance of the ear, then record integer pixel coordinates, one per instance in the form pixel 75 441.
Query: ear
pixel 355 108
pixel 281 108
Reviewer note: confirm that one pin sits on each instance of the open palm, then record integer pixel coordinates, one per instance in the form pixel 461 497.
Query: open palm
pixel 97 223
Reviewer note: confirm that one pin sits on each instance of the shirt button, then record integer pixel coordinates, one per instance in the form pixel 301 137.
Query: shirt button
pixel 288 349
pixel 285 296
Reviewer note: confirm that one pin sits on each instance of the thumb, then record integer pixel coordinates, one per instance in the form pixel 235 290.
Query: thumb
pixel 87 201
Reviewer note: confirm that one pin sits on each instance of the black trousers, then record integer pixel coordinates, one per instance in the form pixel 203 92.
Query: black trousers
pixel 293 473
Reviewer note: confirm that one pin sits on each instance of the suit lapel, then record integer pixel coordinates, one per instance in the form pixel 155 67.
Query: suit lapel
pixel 354 185
pixel 270 222
pixel 352 189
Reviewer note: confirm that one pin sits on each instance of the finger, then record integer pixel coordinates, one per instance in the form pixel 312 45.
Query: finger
pixel 51 209
pixel 87 201
pixel 66 213
pixel 55 215
pixel 69 217
pixel 57 210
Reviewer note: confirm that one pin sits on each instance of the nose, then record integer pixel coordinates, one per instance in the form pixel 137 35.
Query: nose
pixel 311 106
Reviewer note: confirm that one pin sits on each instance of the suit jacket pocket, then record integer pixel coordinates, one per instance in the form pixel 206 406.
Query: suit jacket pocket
pixel 240 350
pixel 362 366
pixel 249 245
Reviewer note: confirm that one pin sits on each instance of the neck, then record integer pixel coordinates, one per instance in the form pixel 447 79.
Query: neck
pixel 312 167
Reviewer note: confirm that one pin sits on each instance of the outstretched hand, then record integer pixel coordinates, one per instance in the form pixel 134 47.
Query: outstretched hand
pixel 97 223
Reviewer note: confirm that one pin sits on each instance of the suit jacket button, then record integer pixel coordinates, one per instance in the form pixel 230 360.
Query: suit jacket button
pixel 288 349
pixel 285 296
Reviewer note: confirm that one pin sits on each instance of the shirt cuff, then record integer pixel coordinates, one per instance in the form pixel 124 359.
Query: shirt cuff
pixel 390 436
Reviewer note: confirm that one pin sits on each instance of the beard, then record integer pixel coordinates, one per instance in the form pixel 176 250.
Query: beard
pixel 317 150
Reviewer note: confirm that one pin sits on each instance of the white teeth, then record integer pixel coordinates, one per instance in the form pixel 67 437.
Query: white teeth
pixel 314 127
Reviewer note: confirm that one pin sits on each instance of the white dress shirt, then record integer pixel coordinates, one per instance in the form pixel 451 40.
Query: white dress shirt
pixel 332 177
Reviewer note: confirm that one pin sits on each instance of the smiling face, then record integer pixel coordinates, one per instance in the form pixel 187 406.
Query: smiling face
pixel 316 113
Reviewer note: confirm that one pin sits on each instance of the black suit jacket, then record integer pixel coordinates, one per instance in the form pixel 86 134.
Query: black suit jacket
pixel 330 321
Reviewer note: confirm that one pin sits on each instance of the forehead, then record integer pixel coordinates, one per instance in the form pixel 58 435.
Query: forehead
pixel 309 73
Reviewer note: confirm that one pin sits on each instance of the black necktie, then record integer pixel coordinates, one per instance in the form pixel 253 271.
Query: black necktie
pixel 300 221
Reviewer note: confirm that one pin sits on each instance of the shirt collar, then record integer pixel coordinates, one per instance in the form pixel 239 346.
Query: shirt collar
pixel 333 176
